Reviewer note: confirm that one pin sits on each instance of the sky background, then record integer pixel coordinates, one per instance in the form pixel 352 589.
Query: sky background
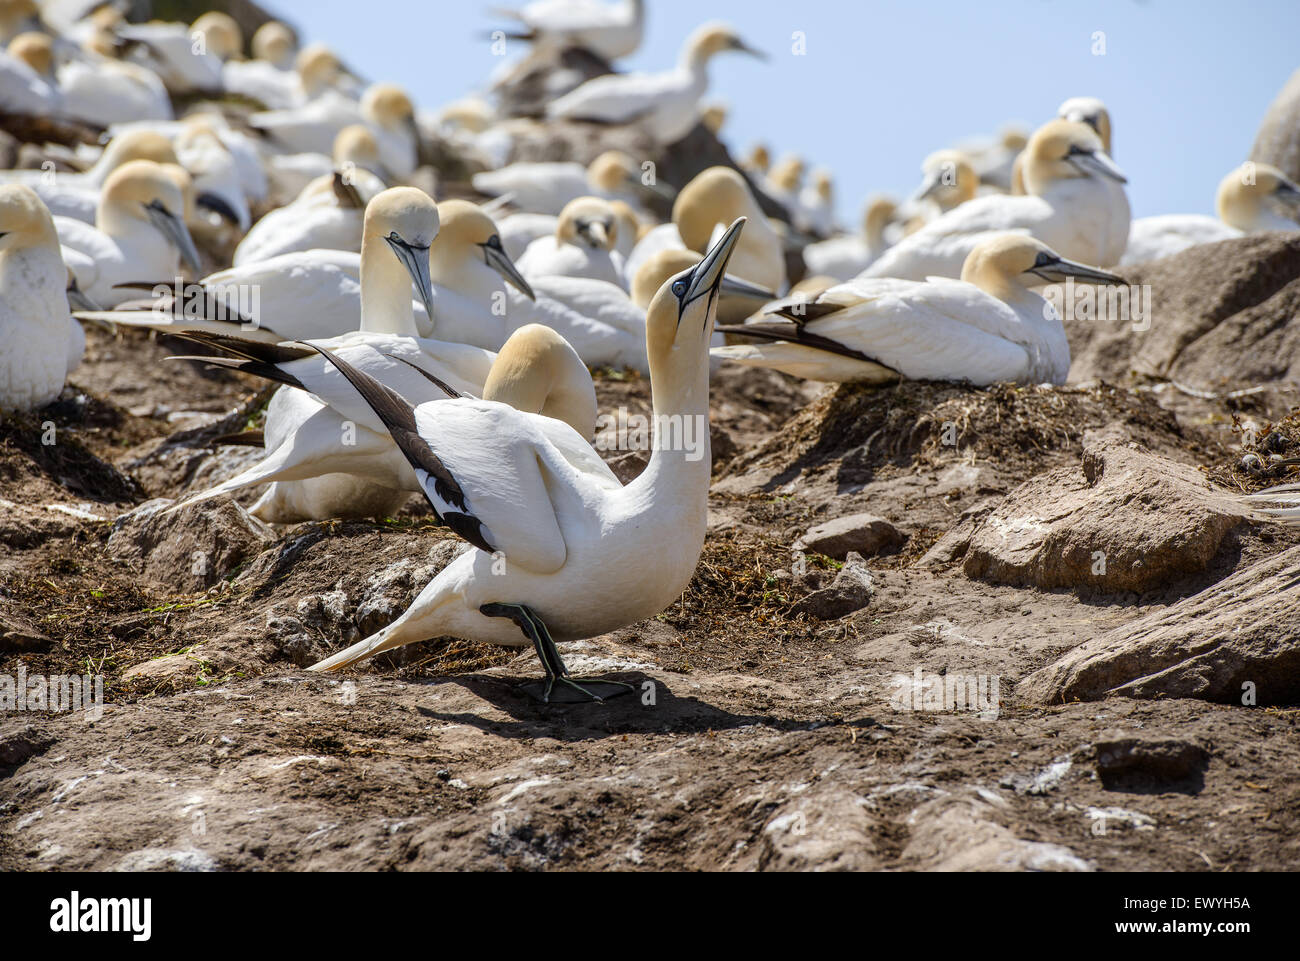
pixel 886 82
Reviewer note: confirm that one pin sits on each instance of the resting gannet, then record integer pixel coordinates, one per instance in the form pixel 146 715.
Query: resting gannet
pixel 1071 207
pixel 269 78
pixel 27 86
pixel 1088 110
pixel 581 246
pixel 39 342
pixel 783 182
pixel 845 257
pixel 987 327
pixel 948 180
pixel 355 149
pixel 187 59
pixel 1242 204
pixel 664 105
pixel 582 556
pixel 139 231
pixel 545 188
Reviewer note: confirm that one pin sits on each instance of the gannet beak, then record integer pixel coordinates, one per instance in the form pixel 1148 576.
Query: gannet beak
pixel 1060 268
pixel 929 185
pixel 1095 162
pixel 735 287
pixel 219 206
pixel 595 233
pixel 174 229
pixel 77 300
pixel 416 261
pixel 741 47
pixel 500 261
pixel 666 191
pixel 709 273
pixel 1288 193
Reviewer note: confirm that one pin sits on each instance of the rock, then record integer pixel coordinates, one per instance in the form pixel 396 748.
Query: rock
pixel 191 549
pixel 829 830
pixel 18 634
pixel 958 833
pixel 1237 642
pixel 1129 521
pixel 851 591
pixel 1151 766
pixel 390 592
pixel 171 671
pixel 22 745
pixel 865 534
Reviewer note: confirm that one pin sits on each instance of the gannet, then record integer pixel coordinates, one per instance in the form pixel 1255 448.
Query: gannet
pixel 545 188
pixel 993 160
pixel 275 43
pixel 757 161
pixel 27 87
pixel 668 263
pixel 1070 207
pixel 39 342
pixel 269 78
pixel 101 91
pixel 218 184
pixel 947 180
pixel 77 195
pixel 17 16
pixel 609 30
pixel 783 182
pixel 987 327
pixel 187 59
pixel 664 105
pixel 581 246
pixel 139 231
pixel 845 257
pixel 355 150
pixel 816 211
pixel 582 556
pixel 1242 204
pixel 1087 110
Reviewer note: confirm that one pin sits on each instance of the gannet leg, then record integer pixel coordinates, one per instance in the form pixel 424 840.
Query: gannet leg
pixel 556 673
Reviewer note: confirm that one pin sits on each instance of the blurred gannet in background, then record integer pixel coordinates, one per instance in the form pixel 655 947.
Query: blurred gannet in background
pixel 816 213
pixel 77 195
pixel 139 231
pixel 186 59
pixel 947 181
pixel 1086 110
pixel 714 116
pixel 783 181
pixel 845 257
pixel 27 87
pixel 545 188
pixel 1070 207
pixel 100 90
pixel 39 342
pixel 218 186
pixel 1242 204
pixel 987 327
pixel 355 151
pixel 994 160
pixel 664 105
pixel 757 162
pixel 611 31
pixel 269 78
pixel 586 556
pixel 18 16
pixel 582 245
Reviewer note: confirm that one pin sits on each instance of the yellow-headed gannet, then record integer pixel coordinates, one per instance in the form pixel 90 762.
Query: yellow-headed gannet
pixel 845 257
pixel 582 245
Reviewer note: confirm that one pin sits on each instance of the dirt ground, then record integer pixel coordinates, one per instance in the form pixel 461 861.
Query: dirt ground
pixel 759 737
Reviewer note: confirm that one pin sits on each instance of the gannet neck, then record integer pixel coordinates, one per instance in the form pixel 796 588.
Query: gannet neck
pixel 400 227
pixel 880 211
pixel 539 372
pixel 386 296
pixel 717 195
pixel 35 50
pixel 30 257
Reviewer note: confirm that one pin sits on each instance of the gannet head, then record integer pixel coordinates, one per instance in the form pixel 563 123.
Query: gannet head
pixel 947 178
pixel 1244 191
pixel 788 174
pixel 138 145
pixel 356 145
pixel 538 371
pixel 220 33
pixel 665 264
pixel 823 184
pixel 714 38
pixel 1064 150
pixel 144 191
pixel 713 117
pixel 679 320
pixel 181 177
pixel 717 195
pixel 473 114
pixel 612 171
pixel 1013 138
pixel 1010 263
pixel 877 215
pixel 388 106
pixel 1091 111
pixel 318 67
pixel 275 43
pixel 629 224
pixel 587 222
pixel 407 221
pixel 468 232
pixel 34 49
pixel 759 159
pixel 17 16
pixel 25 221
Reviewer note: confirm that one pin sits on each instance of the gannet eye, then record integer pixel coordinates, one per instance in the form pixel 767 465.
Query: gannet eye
pixel 394 237
pixel 494 242
pixel 679 288
pixel 1044 260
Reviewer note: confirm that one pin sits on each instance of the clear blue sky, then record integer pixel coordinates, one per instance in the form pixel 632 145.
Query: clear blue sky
pixel 885 82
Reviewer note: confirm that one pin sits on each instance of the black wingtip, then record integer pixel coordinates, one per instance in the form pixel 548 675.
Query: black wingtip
pixel 438 382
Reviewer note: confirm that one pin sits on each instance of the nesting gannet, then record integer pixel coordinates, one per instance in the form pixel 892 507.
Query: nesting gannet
pixel 269 78
pixel 39 341
pixel 218 184
pixel 274 43
pixel 664 105
pixel 845 257
pixel 76 195
pixel 993 159
pixel 1071 207
pixel 948 180
pixel 545 188
pixel 102 91
pixel 581 246
pixel 27 87
pixel 1242 204
pixel 139 231
pixel 987 327
pixel 757 161
pixel 1087 110
pixel 355 150
pixel 187 59
pixel 582 556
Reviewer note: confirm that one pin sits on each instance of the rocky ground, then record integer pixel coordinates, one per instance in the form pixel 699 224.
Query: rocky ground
pixel 1120 639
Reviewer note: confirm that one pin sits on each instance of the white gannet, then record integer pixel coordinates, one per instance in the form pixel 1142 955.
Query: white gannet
pixel 783 182
pixel 186 59
pixel 816 211
pixel 609 30
pixel 39 342
pixel 987 327
pixel 139 232
pixel 581 246
pixel 545 188
pixel 993 159
pixel 714 116
pixel 1070 206
pixel 218 184
pixel 1242 204
pixel 77 195
pixel 664 105
pixel 948 181
pixel 27 87
pixel 269 78
pixel 1087 110
pixel 274 43
pixel 582 556
pixel 355 149
pixel 845 257
pixel 757 162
